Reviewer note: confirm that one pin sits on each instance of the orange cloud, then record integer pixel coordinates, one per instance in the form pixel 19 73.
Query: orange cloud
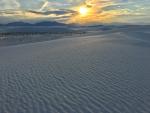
pixel 96 12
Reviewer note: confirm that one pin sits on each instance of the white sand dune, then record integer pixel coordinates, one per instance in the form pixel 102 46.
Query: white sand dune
pixel 107 73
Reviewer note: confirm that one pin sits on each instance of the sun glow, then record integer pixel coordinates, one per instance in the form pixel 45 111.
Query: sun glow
pixel 93 12
pixel 83 10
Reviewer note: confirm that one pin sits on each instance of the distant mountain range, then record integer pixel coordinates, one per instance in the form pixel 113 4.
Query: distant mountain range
pixel 44 23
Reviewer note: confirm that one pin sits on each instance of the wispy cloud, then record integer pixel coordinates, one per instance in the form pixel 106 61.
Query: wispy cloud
pixel 49 4
pixel 29 15
pixel 108 11
pixel 67 10
pixel 9 4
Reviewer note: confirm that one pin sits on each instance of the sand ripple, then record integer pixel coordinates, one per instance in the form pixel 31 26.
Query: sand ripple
pixel 82 75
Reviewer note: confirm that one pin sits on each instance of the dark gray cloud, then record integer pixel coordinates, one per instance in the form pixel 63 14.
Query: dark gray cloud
pixel 56 12
pixel 23 15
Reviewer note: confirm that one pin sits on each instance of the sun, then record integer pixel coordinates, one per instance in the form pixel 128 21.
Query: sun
pixel 83 10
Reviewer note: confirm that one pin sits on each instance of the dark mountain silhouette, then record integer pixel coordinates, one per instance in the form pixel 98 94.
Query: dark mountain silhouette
pixel 1 24
pixel 18 24
pixel 44 23
pixel 49 23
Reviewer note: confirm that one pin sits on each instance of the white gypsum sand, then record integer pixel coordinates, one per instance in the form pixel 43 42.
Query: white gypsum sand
pixel 108 73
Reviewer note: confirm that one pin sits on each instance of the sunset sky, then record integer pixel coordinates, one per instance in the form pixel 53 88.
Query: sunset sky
pixel 76 11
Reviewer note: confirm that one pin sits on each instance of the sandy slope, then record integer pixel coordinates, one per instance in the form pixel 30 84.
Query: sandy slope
pixel 96 74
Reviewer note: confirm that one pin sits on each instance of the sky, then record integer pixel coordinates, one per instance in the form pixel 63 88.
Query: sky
pixel 76 11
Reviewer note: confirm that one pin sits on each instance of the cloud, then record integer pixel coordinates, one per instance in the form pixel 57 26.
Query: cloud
pixel 109 11
pixel 106 11
pixel 9 4
pixel 54 15
pixel 96 12
pixel 31 4
pixel 48 5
